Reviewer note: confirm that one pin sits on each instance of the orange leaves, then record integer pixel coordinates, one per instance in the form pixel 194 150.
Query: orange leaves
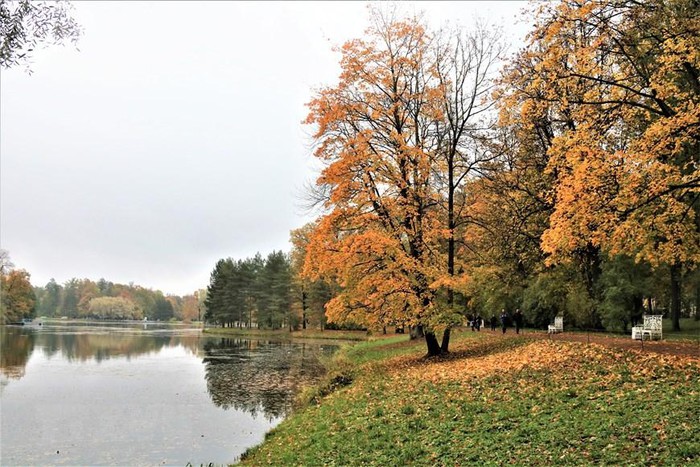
pixel 585 210
pixel 538 355
pixel 622 97
pixel 374 241
pixel 482 358
pixel 16 295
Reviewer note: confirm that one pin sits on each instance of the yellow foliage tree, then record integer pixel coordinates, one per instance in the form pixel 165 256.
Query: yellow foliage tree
pixel 17 296
pixel 621 80
pixel 372 130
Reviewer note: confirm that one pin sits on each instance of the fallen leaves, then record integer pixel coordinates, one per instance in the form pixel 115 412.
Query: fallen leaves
pixel 493 396
pixel 482 358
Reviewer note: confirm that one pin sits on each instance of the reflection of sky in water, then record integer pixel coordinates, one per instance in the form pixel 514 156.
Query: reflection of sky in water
pixel 160 404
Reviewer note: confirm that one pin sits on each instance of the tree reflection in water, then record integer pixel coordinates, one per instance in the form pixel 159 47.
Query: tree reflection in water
pixel 255 376
pixel 82 344
pixel 15 349
pixel 258 376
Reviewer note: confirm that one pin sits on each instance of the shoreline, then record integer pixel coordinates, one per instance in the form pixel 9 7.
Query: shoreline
pixel 494 399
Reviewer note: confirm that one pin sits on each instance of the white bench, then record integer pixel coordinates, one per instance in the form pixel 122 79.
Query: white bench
pixel 637 332
pixel 651 328
pixel 558 325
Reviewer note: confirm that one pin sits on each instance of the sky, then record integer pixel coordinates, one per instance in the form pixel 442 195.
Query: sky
pixel 172 137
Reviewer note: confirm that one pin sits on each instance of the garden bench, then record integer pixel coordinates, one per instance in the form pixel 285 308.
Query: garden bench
pixel 558 325
pixel 651 327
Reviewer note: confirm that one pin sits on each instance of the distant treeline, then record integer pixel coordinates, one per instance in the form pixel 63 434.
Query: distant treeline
pixel 266 293
pixel 83 298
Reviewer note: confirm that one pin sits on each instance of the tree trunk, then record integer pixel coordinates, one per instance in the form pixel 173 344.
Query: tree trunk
pixel 697 302
pixel 444 348
pixel 676 296
pixel 433 344
pixel 303 309
pixel 637 310
pixel 589 261
pixel 415 332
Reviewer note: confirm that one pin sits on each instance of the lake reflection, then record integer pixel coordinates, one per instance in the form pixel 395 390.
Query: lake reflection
pixel 124 395
pixel 259 376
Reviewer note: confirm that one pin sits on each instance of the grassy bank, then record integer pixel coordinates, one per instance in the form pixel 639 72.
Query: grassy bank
pixel 690 329
pixel 495 400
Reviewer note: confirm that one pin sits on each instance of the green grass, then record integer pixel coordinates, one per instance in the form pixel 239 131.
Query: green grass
pixel 603 407
pixel 690 329
pixel 381 349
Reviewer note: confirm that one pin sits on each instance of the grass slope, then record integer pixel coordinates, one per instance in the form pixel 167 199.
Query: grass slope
pixel 495 400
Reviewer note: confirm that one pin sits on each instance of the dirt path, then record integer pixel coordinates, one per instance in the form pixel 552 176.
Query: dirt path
pixel 687 349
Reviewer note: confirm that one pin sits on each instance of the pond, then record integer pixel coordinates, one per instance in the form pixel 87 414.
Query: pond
pixel 134 394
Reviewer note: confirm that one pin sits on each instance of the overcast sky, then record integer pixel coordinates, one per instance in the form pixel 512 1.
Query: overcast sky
pixel 173 137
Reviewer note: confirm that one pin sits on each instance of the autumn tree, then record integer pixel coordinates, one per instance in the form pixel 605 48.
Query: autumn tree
pixel 114 308
pixel 87 290
pixel 300 284
pixel 17 297
pixel 176 302
pixel 464 65
pixel 201 296
pixel 190 310
pixel 507 208
pixel 309 296
pixel 402 134
pixel 143 297
pixel 75 299
pixel 624 77
pixel 373 131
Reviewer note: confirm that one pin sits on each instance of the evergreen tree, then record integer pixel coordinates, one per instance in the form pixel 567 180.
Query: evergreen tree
pixel 215 302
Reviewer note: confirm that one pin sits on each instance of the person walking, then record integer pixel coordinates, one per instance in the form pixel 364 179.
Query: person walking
pixel 518 318
pixel 504 320
pixel 477 322
pixel 494 322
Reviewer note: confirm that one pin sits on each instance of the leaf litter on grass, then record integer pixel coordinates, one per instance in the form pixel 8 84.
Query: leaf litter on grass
pixel 543 355
pixel 558 401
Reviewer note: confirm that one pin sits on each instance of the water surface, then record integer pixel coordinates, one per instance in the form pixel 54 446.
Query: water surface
pixel 120 394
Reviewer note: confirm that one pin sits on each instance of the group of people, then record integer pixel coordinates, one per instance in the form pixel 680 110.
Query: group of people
pixel 476 322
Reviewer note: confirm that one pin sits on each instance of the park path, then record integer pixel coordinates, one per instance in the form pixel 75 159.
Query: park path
pixel 667 347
